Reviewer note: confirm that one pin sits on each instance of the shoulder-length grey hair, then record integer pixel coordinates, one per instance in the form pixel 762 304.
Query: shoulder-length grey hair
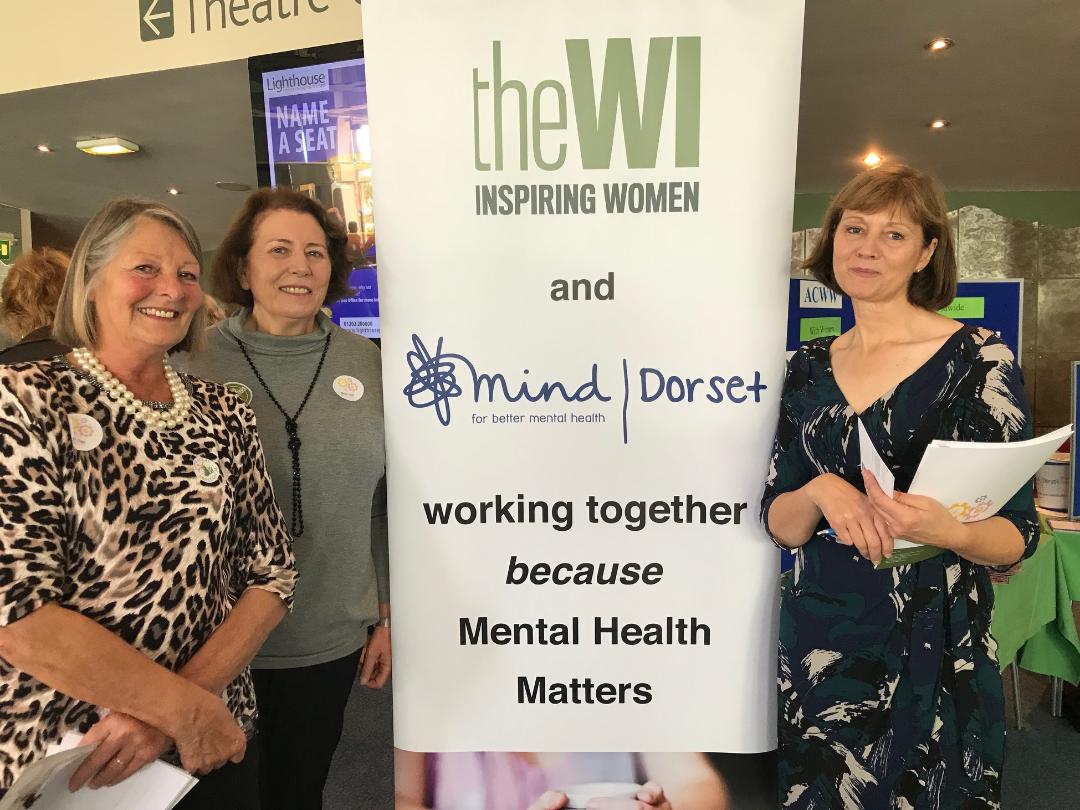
pixel 75 323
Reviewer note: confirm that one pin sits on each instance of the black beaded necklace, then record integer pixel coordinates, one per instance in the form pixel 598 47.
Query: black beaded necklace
pixel 291 429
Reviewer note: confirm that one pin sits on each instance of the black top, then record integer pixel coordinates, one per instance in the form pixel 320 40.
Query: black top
pixel 38 345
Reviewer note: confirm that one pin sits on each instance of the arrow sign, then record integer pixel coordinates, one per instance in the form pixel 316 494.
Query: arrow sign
pixel 155 19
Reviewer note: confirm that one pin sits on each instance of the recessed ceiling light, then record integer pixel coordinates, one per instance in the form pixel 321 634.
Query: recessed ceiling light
pixel 43 147
pixel 107 146
pixel 872 159
pixel 939 123
pixel 939 44
pixel 225 185
pixel 175 191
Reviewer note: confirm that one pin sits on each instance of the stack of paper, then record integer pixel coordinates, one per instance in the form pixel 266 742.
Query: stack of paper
pixel 973 480
pixel 44 785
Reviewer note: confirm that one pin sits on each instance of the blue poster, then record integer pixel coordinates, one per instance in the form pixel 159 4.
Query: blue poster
pixel 360 312
pixel 313 114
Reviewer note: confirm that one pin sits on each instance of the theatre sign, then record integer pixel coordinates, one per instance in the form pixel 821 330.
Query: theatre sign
pixel 124 37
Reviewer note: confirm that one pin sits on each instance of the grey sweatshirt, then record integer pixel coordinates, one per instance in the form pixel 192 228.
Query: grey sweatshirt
pixel 342 557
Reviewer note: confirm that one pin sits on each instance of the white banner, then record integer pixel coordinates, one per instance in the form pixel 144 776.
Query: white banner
pixel 585 215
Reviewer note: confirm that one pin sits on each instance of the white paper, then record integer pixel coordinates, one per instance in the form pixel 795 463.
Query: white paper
pixel 873 463
pixel 158 786
pixel 973 480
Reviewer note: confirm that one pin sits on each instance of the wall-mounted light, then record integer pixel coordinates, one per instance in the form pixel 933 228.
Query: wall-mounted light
pixel 43 148
pixel 107 146
pixel 175 191
pixel 939 123
pixel 938 44
pixel 872 159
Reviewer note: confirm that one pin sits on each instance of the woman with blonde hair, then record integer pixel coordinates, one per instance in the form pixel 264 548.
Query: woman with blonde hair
pixel 142 557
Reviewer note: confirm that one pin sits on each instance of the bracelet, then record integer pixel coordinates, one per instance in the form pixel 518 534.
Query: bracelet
pixel 383 622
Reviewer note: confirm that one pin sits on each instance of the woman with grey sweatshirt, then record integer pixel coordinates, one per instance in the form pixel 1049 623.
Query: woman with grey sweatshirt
pixel 316 391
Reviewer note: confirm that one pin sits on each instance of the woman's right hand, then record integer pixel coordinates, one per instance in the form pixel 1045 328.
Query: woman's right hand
pixel 122 746
pixel 849 513
pixel 209 736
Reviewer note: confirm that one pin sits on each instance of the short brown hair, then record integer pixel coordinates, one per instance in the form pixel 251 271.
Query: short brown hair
pixel 31 290
pixel 75 323
pixel 231 254
pixel 894 186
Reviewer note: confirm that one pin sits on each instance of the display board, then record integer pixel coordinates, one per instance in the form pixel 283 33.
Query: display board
pixel 577 442
pixel 996 304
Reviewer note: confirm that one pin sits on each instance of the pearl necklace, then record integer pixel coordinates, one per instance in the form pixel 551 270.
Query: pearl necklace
pixel 120 393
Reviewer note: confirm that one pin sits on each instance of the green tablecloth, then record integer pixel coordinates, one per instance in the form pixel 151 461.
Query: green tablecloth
pixel 1027 603
pixel 1033 615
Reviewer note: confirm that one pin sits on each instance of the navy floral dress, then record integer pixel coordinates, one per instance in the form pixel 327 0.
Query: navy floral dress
pixel 889 689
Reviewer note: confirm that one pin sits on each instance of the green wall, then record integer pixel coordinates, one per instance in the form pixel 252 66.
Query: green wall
pixel 1058 208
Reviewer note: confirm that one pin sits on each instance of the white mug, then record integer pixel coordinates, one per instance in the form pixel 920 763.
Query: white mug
pixel 580 795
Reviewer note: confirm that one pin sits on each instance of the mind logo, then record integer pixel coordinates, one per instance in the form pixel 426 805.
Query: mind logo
pixel 434 383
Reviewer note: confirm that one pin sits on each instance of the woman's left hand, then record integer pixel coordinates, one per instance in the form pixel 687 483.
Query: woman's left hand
pixel 124 745
pixel 650 796
pixel 375 659
pixel 915 517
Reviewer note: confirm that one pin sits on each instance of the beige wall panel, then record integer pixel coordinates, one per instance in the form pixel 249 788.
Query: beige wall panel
pixel 1059 252
pixel 993 246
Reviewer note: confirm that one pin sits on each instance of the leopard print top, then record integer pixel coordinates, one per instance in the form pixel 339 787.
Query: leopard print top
pixel 152 534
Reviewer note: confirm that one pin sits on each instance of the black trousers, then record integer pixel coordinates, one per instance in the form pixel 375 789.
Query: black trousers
pixel 234 786
pixel 301 712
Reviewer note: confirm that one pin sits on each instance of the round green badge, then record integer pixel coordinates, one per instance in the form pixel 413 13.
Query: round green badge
pixel 240 390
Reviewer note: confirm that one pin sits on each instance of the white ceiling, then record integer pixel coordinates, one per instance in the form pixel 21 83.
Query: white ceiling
pixel 194 125
pixel 1011 87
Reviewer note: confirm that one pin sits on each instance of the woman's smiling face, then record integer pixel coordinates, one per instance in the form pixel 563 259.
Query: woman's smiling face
pixel 148 291
pixel 287 268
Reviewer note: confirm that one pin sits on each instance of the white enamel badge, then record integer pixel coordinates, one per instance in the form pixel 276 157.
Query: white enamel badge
pixel 348 387
pixel 86 432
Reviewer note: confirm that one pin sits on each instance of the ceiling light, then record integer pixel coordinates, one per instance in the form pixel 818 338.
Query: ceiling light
pixel 175 191
pixel 107 146
pixel 939 44
pixel 226 185
pixel 872 159
pixel 43 147
pixel 939 123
